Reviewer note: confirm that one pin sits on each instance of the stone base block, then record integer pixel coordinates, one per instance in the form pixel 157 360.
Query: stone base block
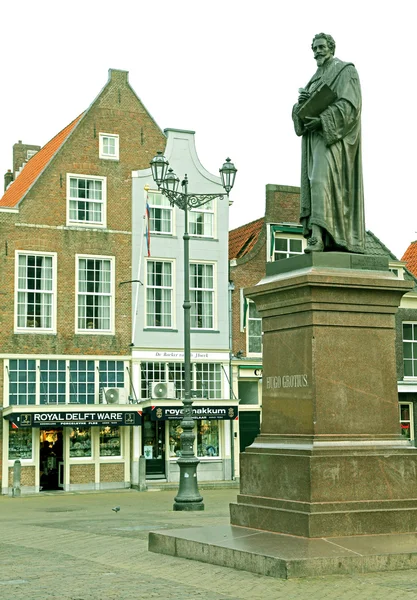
pixel 283 556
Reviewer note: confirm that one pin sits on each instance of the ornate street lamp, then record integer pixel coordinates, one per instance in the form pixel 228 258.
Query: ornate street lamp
pixel 188 497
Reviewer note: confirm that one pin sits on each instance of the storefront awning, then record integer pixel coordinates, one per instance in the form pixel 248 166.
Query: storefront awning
pixel 167 413
pixel 65 418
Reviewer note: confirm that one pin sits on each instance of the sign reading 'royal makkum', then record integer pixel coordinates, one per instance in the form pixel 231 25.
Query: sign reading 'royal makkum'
pixel 163 413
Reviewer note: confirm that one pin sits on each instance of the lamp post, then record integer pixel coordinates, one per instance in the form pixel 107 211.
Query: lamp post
pixel 188 497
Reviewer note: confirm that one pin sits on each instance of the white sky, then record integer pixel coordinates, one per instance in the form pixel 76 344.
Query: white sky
pixel 229 70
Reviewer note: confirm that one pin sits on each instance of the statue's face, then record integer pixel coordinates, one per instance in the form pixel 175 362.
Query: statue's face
pixel 321 51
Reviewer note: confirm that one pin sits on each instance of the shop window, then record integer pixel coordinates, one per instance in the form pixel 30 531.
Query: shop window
pixel 80 442
pixel 110 441
pixel 208 438
pixel 410 349
pixel 208 379
pixel 175 431
pixel 406 420
pixel 20 443
pixel 248 392
pixel 22 381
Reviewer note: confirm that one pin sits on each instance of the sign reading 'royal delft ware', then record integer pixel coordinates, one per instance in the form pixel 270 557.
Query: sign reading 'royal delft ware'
pixel 76 418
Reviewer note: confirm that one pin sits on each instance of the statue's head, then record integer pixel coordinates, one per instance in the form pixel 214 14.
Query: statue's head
pixel 323 47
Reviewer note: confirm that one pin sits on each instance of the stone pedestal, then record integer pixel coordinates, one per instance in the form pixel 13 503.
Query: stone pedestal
pixel 329 486
pixel 330 459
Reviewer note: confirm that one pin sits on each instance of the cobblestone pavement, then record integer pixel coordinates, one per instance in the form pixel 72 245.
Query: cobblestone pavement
pixel 74 547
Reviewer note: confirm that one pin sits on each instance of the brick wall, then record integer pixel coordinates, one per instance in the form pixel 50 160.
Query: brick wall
pixel 112 472
pixel 282 206
pixel 82 474
pixel 27 476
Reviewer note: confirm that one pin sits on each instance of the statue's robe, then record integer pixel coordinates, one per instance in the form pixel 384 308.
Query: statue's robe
pixel 331 165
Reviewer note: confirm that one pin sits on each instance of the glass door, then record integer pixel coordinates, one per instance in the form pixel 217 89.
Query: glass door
pixel 153 438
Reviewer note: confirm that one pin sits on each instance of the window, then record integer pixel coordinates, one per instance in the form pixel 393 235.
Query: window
pixel 81 381
pixel 160 213
pixel 201 220
pixel 111 374
pixel 159 294
pixel 205 377
pixel 254 329
pixel 284 247
pixel 109 146
pixel 406 420
pixel 248 392
pixel 20 443
pixel 95 302
pixel 22 382
pixel 52 375
pixel 80 442
pixel 35 298
pixel 202 296
pixel 110 441
pixel 208 438
pixel 410 349
pixel 86 200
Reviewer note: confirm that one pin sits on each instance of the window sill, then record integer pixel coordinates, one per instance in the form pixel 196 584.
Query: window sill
pixel 33 330
pixel 201 330
pixel 162 329
pixel 94 332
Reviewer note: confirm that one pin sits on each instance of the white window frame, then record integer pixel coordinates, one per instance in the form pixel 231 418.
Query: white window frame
pixel 288 237
pixel 203 210
pixel 410 420
pixel 166 207
pixel 52 293
pixel 248 319
pixel 102 153
pixel 414 347
pixel 212 290
pixel 111 295
pixel 171 288
pixel 102 202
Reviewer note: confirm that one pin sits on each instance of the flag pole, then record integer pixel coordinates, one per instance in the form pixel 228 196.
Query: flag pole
pixel 145 197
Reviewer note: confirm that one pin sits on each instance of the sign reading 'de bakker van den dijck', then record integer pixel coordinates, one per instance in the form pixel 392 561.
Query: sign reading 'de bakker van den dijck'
pixel 76 418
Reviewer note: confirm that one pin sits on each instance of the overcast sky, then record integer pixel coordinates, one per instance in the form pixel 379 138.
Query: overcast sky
pixel 230 71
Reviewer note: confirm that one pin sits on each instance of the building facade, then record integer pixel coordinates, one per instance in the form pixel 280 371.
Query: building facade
pixel 277 236
pixel 65 358
pixel 158 321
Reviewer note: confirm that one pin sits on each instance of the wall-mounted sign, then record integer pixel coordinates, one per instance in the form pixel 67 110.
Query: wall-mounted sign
pixel 76 418
pixel 221 413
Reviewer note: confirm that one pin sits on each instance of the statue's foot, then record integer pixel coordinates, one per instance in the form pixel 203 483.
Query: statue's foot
pixel 314 245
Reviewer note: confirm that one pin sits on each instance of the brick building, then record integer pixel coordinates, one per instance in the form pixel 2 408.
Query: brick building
pixel 66 249
pixel 276 236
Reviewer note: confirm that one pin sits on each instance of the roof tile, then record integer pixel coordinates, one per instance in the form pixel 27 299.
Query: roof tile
pixel 243 239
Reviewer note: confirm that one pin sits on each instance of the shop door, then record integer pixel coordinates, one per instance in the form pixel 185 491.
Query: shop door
pixel 153 436
pixel 249 427
pixel 51 459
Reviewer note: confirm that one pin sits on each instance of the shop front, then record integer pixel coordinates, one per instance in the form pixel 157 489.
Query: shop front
pixel 61 449
pixel 213 430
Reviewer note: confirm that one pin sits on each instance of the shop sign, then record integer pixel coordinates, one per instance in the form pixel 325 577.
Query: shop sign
pixel 76 419
pixel 219 413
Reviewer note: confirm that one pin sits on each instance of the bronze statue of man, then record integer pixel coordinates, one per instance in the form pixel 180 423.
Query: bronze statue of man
pixel 328 117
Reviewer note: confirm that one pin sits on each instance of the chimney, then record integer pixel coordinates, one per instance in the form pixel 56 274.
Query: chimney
pixel 8 178
pixel 21 154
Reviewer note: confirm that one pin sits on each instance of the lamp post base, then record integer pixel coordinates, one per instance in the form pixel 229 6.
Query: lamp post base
pixel 188 497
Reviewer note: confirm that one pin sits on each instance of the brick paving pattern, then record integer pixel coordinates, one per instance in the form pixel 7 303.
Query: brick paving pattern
pixel 74 547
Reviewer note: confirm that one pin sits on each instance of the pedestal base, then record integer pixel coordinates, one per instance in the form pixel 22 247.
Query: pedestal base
pixel 284 556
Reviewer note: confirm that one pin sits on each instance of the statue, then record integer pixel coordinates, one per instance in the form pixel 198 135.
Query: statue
pixel 327 116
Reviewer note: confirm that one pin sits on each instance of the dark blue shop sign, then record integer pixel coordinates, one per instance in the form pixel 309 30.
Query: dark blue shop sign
pixel 76 418
pixel 218 413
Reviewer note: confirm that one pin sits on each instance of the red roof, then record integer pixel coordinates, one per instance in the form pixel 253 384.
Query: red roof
pixel 410 258
pixel 34 167
pixel 243 239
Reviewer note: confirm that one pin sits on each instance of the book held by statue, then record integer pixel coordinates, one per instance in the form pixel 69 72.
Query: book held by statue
pixel 317 103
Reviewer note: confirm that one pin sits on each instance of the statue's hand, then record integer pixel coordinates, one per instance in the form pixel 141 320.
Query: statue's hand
pixel 312 123
pixel 303 97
